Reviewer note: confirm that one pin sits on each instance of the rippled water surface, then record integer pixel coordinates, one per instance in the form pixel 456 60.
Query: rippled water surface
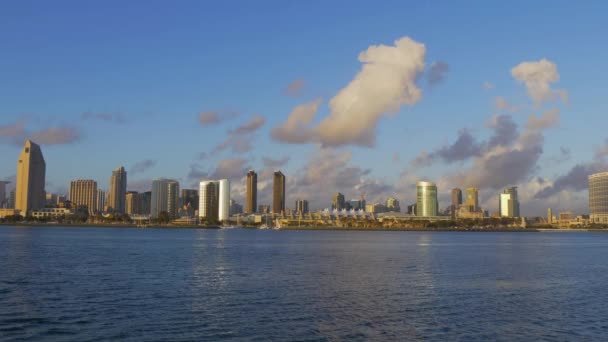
pixel 80 284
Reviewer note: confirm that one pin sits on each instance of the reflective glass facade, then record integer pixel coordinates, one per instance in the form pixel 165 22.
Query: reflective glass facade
pixel 426 199
pixel 598 197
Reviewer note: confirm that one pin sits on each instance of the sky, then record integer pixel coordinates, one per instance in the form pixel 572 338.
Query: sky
pixel 361 97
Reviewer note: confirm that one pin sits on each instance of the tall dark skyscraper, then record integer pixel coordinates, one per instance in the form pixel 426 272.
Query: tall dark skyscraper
pixel 118 190
pixel 278 193
pixel 456 198
pixel 31 176
pixel 251 200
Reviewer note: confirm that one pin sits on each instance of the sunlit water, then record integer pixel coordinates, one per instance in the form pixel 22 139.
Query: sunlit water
pixel 150 284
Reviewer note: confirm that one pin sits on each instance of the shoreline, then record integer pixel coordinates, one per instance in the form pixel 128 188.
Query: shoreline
pixel 394 229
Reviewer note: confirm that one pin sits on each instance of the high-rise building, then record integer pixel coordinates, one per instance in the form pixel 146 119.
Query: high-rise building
pixel 472 195
pixel 392 204
pixel 164 198
pixel 132 203
pixel 31 173
pixel 3 198
pixel 301 206
pixel 214 203
pixel 456 198
pixel 190 198
pixel 508 204
pixel 12 200
pixel 338 202
pixel 278 193
pixel 549 216
pixel 101 201
pixel 144 201
pixel 426 199
pixel 209 200
pixel 598 197
pixel 83 193
pixel 118 190
pixel 224 200
pixel 251 200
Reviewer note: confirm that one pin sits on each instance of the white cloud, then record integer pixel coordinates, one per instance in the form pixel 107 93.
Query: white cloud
pixel 538 77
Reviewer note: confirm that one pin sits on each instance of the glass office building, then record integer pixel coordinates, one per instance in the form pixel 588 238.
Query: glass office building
pixel 426 199
pixel 598 197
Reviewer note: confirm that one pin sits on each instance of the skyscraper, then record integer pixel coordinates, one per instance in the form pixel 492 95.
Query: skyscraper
pixel 301 206
pixel 278 193
pixel 456 198
pixel 472 199
pixel 132 203
pixel 598 197
pixel 165 197
pixel 251 201
pixel 508 204
pixel 209 200
pixel 118 190
pixel 101 201
pixel 337 202
pixel 426 199
pixel 214 203
pixel 83 193
pixel 549 216
pixel 144 200
pixel 31 173
pixel 3 198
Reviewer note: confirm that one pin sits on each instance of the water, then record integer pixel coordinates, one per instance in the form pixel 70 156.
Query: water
pixel 79 284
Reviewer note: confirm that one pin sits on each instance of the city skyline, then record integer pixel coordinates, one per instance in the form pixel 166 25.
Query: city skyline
pixel 494 120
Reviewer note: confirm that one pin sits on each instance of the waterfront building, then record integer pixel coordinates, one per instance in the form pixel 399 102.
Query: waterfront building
pixel 337 202
pixel 508 204
pixel 278 192
pixel 12 198
pixel 164 197
pixel 456 198
pixel 101 201
pixel 52 213
pixel 376 208
pixel 392 204
pixel 251 199
pixel 598 197
pixel 426 199
pixel 190 197
pixel 31 176
pixel 472 199
pixel 357 204
pixel 264 209
pixel 214 200
pixel 144 201
pixel 301 206
pixel 3 198
pixel 132 203
pixel 118 190
pixel 83 193
pixel 411 209
pixel 549 216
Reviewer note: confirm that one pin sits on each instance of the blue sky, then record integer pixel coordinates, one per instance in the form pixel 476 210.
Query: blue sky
pixel 156 65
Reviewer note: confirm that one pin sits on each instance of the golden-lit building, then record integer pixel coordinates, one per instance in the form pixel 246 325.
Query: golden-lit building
pixel 83 193
pixel 132 203
pixel 251 200
pixel 31 173
pixel 472 198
